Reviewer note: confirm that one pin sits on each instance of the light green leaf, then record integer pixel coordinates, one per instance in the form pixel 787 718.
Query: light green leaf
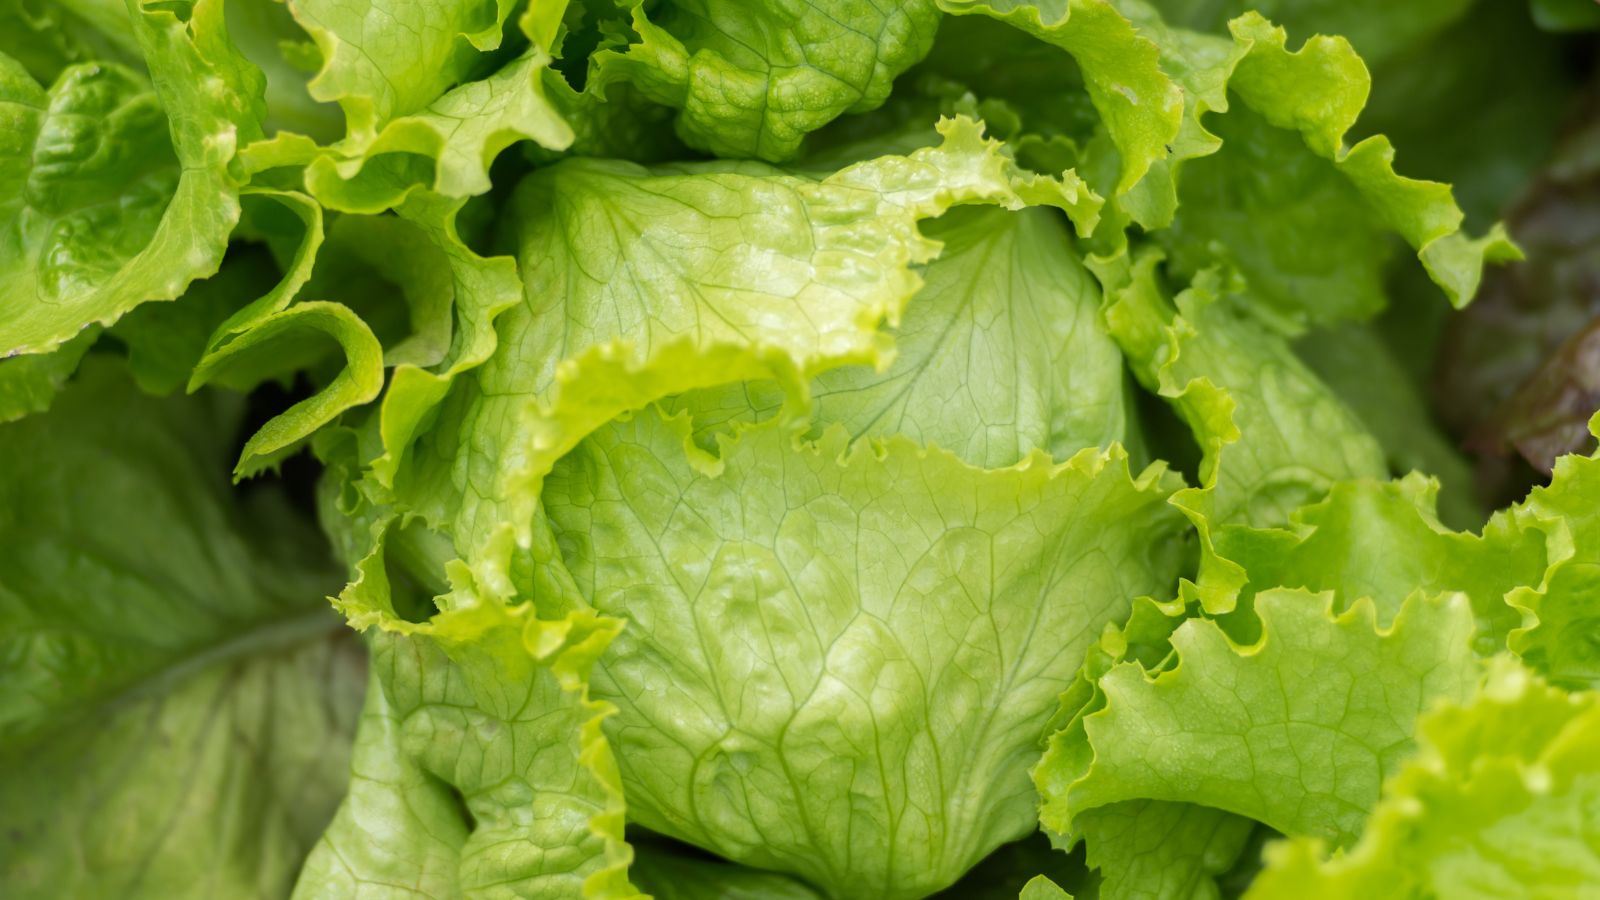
pixel 1561 643
pixel 460 134
pixel 269 338
pixel 640 284
pixel 419 114
pixel 1042 888
pixel 479 289
pixel 808 624
pixel 1299 232
pixel 384 59
pixel 1155 850
pixel 176 700
pixel 1297 731
pixel 1382 542
pixel 260 348
pixel 1140 106
pixel 1302 269
pixel 1236 383
pixel 479 768
pixel 1002 351
pixel 1273 437
pixel 103 209
pixel 751 79
pixel 1498 802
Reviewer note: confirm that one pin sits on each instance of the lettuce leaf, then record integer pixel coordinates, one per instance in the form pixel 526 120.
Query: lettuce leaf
pixel 1494 803
pixel 856 631
pixel 1000 352
pixel 99 155
pixel 750 80
pixel 1298 730
pixel 178 699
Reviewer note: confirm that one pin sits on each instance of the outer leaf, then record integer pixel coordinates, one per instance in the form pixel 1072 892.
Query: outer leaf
pixel 1561 644
pixel 92 158
pixel 1298 731
pixel 1234 382
pixel 809 625
pixel 1153 849
pixel 175 699
pixel 751 79
pixel 1498 802
pixel 479 767
pixel 1421 212
pixel 1382 542
pixel 1318 91
pixel 28 384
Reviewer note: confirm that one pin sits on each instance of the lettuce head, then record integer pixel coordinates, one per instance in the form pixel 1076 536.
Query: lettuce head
pixel 840 450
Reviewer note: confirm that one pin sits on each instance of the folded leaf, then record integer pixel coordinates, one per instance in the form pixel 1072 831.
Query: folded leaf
pixel 479 769
pixel 108 202
pixel 1002 351
pixel 784 277
pixel 1273 437
pixel 1298 731
pixel 808 624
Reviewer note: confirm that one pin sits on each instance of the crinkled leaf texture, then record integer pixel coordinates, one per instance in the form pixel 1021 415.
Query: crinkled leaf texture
pixel 1558 639
pixel 750 78
pixel 1000 352
pixel 178 700
pixel 1498 802
pixel 479 769
pixel 643 283
pixel 810 623
pixel 1273 437
pixel 1274 189
pixel 1298 730
pixel 431 93
pixel 1140 106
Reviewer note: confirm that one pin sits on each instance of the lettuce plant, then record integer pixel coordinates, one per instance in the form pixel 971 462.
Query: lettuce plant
pixel 740 449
